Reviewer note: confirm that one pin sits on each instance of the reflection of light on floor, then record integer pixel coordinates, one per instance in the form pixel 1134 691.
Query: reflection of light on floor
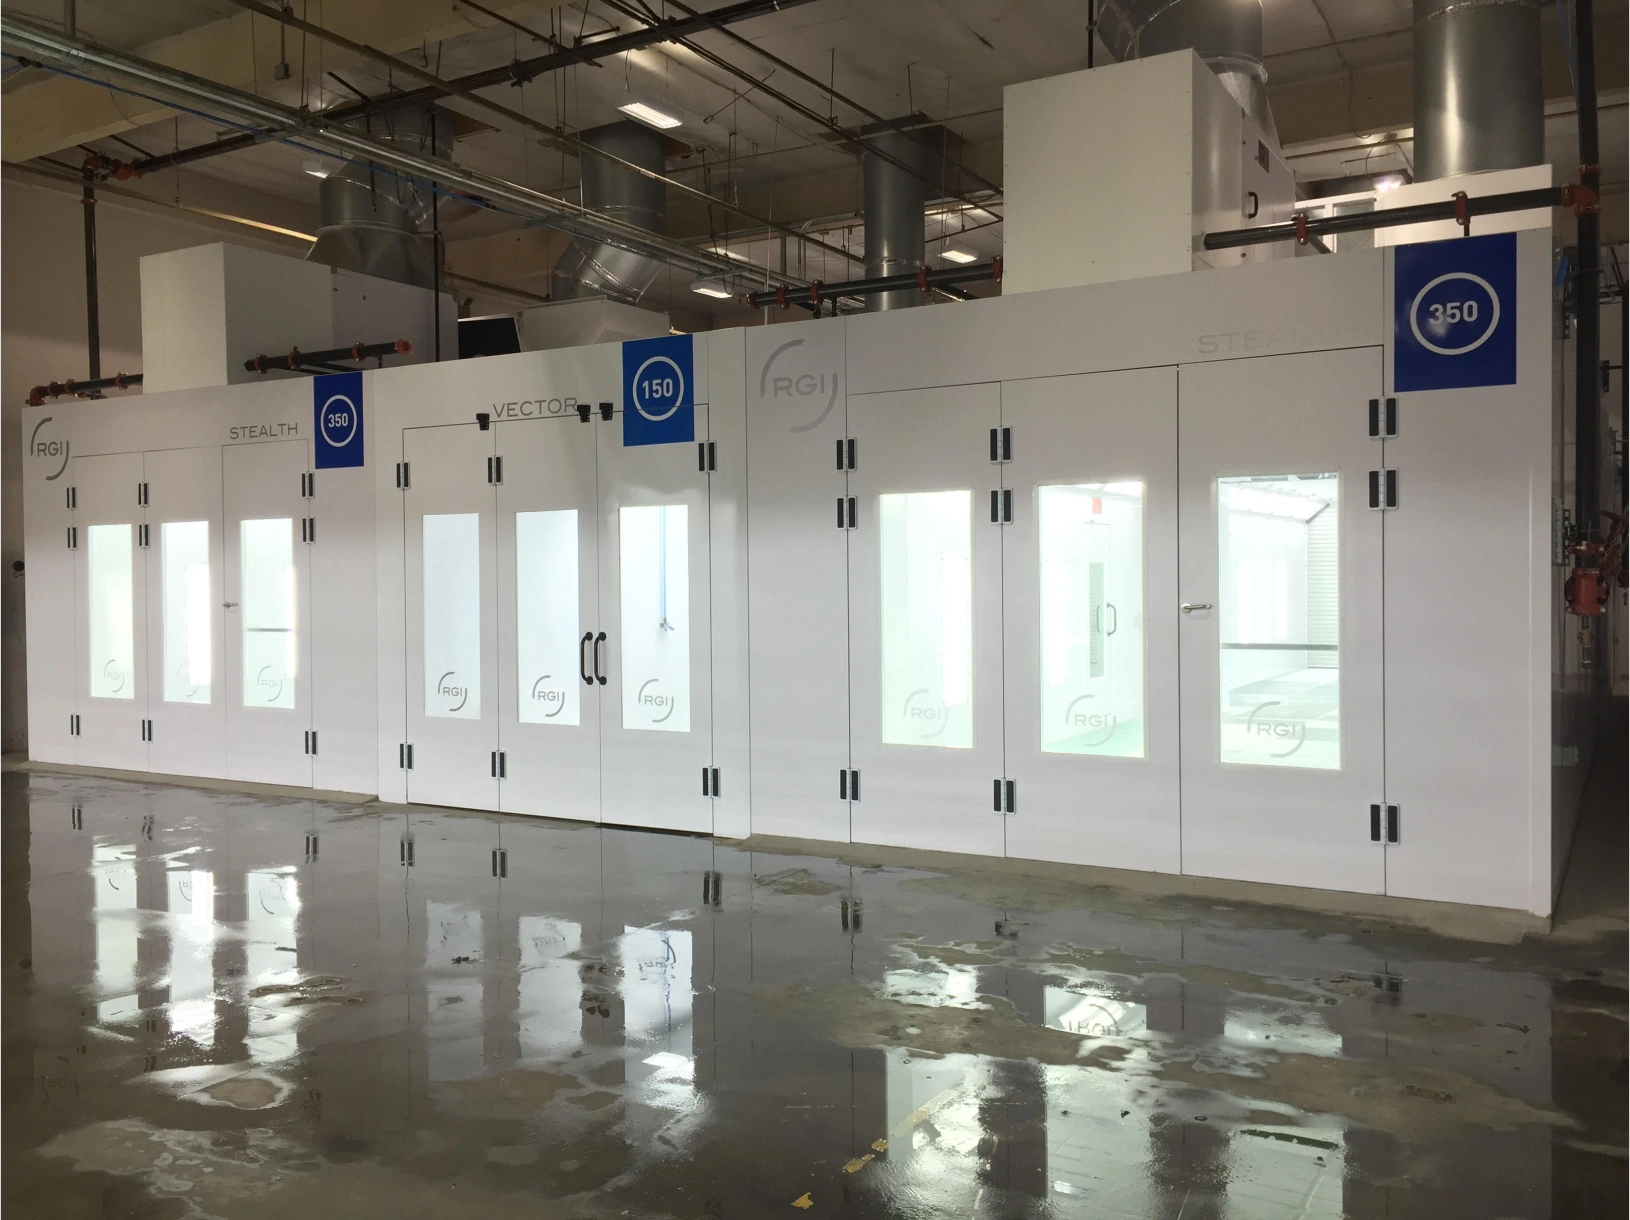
pixel 954 987
pixel 1286 1174
pixel 1094 1014
pixel 272 902
pixel 1308 1036
pixel 549 990
pixel 453 1016
pixel 115 872
pixel 191 894
pixel 672 1064
pixel 657 998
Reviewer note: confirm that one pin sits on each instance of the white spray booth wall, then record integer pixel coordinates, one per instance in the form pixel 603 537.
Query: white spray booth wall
pixel 1088 575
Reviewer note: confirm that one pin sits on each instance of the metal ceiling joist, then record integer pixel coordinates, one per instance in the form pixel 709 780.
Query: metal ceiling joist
pixel 182 90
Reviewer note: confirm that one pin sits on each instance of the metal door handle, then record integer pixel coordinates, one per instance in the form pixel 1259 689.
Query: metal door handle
pixel 583 658
pixel 1114 618
pixel 1191 607
pixel 598 676
pixel 229 605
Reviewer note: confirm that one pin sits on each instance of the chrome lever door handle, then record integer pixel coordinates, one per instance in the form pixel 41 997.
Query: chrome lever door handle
pixel 1191 607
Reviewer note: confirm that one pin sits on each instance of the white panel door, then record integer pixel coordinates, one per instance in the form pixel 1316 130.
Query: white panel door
pixel 925 606
pixel 187 700
pixel 266 680
pixel 651 650
pixel 111 581
pixel 1089 583
pixel 798 594
pixel 548 611
pixel 1280 568
pixel 452 625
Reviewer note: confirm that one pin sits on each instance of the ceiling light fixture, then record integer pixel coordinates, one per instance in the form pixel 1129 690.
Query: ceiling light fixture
pixel 709 289
pixel 316 169
pixel 649 115
pixel 1389 183
pixel 958 256
pixel 729 253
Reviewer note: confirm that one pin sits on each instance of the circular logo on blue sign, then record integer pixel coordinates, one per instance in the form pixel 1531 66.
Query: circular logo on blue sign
pixel 658 390
pixel 339 421
pixel 1455 313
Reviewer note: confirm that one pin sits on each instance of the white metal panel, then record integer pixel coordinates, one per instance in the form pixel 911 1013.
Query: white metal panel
pixel 921 794
pixel 652 776
pixel 1467 705
pixel 798 597
pixel 1292 825
pixel 1094 808
pixel 1260 309
pixel 552 759
pixel 265 738
pixel 183 313
pixel 110 723
pixel 189 738
pixel 729 626
pixel 454 749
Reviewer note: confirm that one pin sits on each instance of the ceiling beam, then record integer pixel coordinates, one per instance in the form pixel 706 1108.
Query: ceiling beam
pixel 241 52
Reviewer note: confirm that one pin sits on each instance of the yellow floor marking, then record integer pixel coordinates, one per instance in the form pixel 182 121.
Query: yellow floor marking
pixel 880 1145
pixel 859 1163
pixel 928 1107
pixel 804 1201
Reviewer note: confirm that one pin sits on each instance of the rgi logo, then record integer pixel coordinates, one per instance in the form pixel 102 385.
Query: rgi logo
pixel 1290 732
pixel 552 697
pixel 1088 722
pixel 799 389
pixel 928 717
pixel 48 449
pixel 269 681
pixel 114 673
pixel 447 686
pixel 654 701
pixel 183 675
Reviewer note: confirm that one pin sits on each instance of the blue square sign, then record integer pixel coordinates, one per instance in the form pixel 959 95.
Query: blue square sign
pixel 659 391
pixel 1454 314
pixel 337 402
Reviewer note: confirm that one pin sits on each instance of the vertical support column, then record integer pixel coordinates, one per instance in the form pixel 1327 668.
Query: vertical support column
pixel 1587 289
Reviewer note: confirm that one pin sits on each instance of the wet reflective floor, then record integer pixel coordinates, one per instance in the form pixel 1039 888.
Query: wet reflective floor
pixel 222 1005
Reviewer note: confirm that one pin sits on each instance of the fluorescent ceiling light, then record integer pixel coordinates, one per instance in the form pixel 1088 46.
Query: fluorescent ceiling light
pixel 710 289
pixel 316 169
pixel 729 253
pixel 958 256
pixel 649 115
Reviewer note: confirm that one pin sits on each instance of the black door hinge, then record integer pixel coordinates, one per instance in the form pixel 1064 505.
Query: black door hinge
pixel 1384 822
pixel 403 476
pixel 73 498
pixel 1002 794
pixel 1383 417
pixel 308 485
pixel 406 851
pixel 1001 444
pixel 311 849
pixel 499 763
pixel 846 452
pixel 707 458
pixel 846 512
pixel 848 784
pixel 495 470
pixel 605 410
pixel 143 534
pixel 311 741
pixel 73 724
pixel 1383 489
pixel 147 730
pixel 712 885
pixel 404 756
pixel 849 912
pixel 141 494
pixel 308 529
pixel 710 781
pixel 73 537
pixel 76 817
pixel 500 862
pixel 1001 506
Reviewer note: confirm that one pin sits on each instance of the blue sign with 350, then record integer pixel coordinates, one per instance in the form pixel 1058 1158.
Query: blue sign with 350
pixel 1455 313
pixel 337 401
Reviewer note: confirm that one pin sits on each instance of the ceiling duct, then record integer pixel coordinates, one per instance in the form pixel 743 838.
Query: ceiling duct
pixel 369 216
pixel 591 268
pixel 1479 95
pixel 896 171
pixel 1226 34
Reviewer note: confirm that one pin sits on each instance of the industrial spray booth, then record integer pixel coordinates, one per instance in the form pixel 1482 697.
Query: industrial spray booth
pixel 1146 575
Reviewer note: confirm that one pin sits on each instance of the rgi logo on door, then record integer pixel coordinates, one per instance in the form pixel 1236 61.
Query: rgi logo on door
pixel 803 382
pixel 453 692
pixel 552 698
pixel 655 705
pixel 1096 727
pixel 925 714
pixel 1261 727
pixel 49 449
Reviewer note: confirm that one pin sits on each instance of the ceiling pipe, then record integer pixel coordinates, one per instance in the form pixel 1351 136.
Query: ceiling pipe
pixel 894 171
pixel 1226 34
pixel 594 268
pixel 219 102
pixel 370 221
pixel 1479 96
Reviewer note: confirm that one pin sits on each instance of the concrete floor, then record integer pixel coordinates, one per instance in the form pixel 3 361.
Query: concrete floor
pixel 225 1005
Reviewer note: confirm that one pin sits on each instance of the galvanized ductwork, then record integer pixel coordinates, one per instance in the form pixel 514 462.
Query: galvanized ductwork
pixel 1479 96
pixel 896 192
pixel 370 217
pixel 1226 34
pixel 590 268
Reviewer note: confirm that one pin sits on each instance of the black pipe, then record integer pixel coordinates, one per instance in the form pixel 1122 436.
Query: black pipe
pixel 517 73
pixel 58 389
pixel 297 359
pixel 1587 423
pixel 1384 218
pixel 435 249
pixel 810 298
pixel 93 308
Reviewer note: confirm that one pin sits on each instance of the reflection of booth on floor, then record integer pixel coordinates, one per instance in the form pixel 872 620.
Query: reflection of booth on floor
pixel 1280 607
